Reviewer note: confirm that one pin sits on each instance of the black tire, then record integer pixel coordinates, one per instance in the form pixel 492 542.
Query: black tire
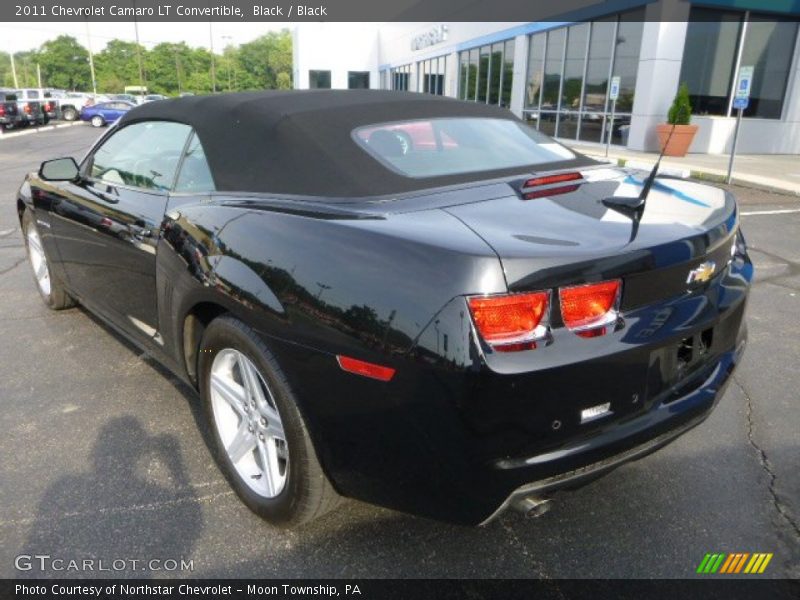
pixel 307 493
pixel 69 114
pixel 57 298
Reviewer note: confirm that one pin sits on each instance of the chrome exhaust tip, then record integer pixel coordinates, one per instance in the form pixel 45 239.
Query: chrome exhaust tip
pixel 532 506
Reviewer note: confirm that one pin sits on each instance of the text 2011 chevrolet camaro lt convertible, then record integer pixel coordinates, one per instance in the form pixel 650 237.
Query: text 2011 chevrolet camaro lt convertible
pixel 413 301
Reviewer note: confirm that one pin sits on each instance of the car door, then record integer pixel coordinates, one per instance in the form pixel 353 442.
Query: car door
pixel 107 226
pixel 114 111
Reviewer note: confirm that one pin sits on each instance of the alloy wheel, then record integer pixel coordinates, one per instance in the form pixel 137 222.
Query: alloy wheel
pixel 248 423
pixel 38 260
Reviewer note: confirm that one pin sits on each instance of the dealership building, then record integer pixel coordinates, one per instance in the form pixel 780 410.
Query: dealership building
pixel 556 74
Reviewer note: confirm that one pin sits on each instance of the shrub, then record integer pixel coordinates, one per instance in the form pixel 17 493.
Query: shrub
pixel 680 113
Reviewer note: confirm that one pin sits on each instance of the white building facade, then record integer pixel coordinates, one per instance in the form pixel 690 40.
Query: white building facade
pixel 556 74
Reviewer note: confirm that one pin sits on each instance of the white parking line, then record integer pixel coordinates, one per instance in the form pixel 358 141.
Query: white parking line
pixel 784 211
pixel 8 136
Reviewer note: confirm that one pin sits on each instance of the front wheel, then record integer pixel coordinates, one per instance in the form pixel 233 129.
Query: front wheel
pixel 50 288
pixel 69 114
pixel 259 437
pixel 98 121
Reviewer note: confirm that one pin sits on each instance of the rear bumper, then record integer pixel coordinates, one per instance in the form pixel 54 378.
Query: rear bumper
pixel 665 418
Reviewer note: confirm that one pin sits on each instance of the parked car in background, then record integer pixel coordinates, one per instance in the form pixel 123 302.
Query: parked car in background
pixel 50 99
pixel 104 113
pixel 125 98
pixel 153 98
pixel 30 109
pixel 9 114
pixel 32 102
pixel 74 102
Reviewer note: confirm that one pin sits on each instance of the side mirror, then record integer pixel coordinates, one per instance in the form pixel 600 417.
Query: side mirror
pixel 59 169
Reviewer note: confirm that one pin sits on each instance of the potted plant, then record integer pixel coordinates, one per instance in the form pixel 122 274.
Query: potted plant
pixel 677 141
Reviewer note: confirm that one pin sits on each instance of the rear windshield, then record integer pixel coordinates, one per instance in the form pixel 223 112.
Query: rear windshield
pixel 450 146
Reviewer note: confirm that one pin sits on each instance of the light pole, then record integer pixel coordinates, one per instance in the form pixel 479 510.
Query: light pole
pixel 138 50
pixel 213 62
pixel 91 58
pixel 228 59
pixel 14 69
pixel 178 69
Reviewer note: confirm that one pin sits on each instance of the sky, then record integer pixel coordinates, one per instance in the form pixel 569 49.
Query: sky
pixel 15 37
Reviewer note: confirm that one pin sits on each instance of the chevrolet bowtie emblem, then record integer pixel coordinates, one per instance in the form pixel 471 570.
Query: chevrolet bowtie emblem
pixel 702 273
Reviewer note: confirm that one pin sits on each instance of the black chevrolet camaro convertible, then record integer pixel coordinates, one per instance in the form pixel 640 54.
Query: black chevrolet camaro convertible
pixel 413 301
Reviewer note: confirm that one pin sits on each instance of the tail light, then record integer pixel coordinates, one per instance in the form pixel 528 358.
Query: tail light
pixel 365 369
pixel 550 179
pixel 546 180
pixel 511 322
pixel 2 110
pixel 588 310
pixel 27 108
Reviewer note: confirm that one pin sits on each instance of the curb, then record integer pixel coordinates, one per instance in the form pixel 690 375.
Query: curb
pixel 29 131
pixel 688 172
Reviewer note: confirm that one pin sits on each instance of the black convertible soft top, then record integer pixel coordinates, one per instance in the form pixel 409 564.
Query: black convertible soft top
pixel 300 142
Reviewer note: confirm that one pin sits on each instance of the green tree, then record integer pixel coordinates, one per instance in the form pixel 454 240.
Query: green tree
pixel 117 66
pixel 64 63
pixel 26 69
pixel 263 60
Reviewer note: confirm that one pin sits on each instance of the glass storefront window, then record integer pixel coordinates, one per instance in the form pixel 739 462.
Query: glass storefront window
pixel 463 74
pixel 626 57
pixel 431 74
pixel 577 38
pixel 709 59
pixel 358 80
pixel 508 74
pixel 472 84
pixel 483 73
pixel 598 66
pixel 768 46
pixel 715 38
pixel 533 82
pixel 319 80
pixel 399 77
pixel 547 122
pixel 553 66
pixel 569 69
pixel 496 73
pixel 486 74
pixel 598 71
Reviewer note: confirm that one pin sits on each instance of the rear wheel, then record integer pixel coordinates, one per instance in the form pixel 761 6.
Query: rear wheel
pixel 259 437
pixel 50 288
pixel 69 114
pixel 98 121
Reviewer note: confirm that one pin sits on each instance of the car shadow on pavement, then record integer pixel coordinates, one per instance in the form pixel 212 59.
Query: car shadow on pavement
pixel 134 503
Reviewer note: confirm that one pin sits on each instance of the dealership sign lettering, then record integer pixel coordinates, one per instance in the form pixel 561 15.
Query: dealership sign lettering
pixel 433 36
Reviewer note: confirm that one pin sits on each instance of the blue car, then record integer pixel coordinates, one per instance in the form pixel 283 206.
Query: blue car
pixel 104 113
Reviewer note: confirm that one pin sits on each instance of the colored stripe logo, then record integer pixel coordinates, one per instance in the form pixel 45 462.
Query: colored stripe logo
pixel 737 562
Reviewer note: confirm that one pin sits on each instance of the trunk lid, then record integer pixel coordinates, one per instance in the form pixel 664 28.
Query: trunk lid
pixel 569 236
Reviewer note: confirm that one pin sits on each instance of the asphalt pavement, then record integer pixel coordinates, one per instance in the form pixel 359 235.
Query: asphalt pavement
pixel 101 455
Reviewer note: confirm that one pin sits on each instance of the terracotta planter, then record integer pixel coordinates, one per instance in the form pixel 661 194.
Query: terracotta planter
pixel 679 142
